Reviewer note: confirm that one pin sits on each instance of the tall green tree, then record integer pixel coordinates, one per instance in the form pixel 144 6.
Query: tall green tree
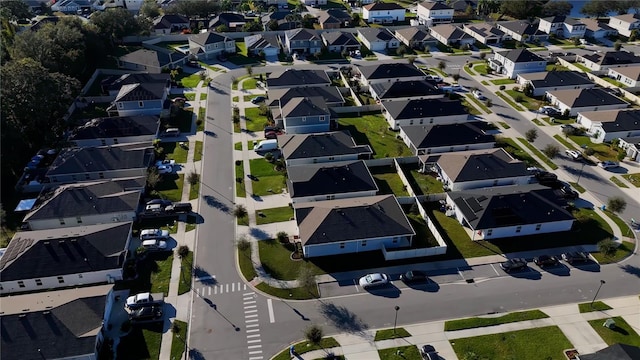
pixel 557 8
pixel 15 10
pixel 150 9
pixel 595 8
pixel 114 24
pixel 522 9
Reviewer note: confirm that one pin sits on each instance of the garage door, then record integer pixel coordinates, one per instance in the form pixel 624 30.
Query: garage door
pixel 270 51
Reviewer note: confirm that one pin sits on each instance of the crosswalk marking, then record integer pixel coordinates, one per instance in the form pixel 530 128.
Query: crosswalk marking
pixel 251 323
pixel 217 289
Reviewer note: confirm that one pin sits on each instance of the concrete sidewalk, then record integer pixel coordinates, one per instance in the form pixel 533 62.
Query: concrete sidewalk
pixel 568 318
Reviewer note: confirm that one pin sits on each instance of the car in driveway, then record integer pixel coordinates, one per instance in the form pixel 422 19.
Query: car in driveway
pixel 154 245
pixel 413 276
pixel 146 313
pixel 514 264
pixel 162 202
pixel 568 193
pixel 164 169
pixel 373 280
pixel 608 164
pixel 165 162
pixel 149 234
pixel 549 110
pixel 258 99
pixel 478 95
pixel 573 155
pixel 575 257
pixel 546 260
pixel 428 352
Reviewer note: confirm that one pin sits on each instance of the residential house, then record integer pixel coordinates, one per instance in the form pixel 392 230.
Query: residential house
pixel 473 169
pixel 581 100
pixel 600 62
pixel 300 149
pixel 434 12
pixel 510 211
pixel 433 139
pixel 423 112
pixel 55 258
pixel 302 41
pixel 552 25
pixel 377 39
pixel 340 41
pixel 629 76
pixel 522 30
pixel 115 130
pixel 383 13
pixel 42 21
pixel 329 181
pixel 631 147
pixel 625 23
pixel 265 43
pixel 330 95
pixel 232 21
pixel 303 115
pixel 208 45
pixel 111 85
pixel 71 6
pixel 352 225
pixel 131 5
pixel 484 33
pixel 616 351
pixel 597 30
pixel 278 3
pixel 515 62
pixel 279 20
pixel 97 163
pixel 170 23
pixel 69 324
pixel 314 3
pixel 415 38
pixel 83 204
pixel 563 27
pixel 153 61
pixel 289 78
pixel 389 72
pixel 608 125
pixel 405 90
pixel 542 82
pixel 573 28
pixel 451 35
pixel 148 98
pixel 334 19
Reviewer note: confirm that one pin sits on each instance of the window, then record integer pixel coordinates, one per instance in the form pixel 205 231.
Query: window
pixel 39 282
pixel 101 175
pixel 60 280
pixel 103 142
pixel 410 122
pixel 115 141
pixel 538 227
pixel 321 118
pixel 304 119
pixel 341 245
pixel 120 105
pixel 80 276
pixel 489 232
pixel 395 240
pixel 62 222
pixel 364 242
pixel 21 284
pixel 495 182
pixel 79 219
pixel 421 121
pixel 518 229
pixel 140 103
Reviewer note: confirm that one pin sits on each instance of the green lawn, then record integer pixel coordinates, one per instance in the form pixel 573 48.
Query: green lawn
pixel 503 81
pixel 178 343
pixel 409 352
pixel 372 129
pixel 538 153
pixel 170 187
pixel 423 238
pixel 528 102
pixel 304 347
pixel 186 273
pixel 194 190
pixel 141 343
pixel 292 294
pixel 203 96
pixel 189 81
pixel 564 142
pixel 613 81
pixel 254 121
pixel 387 334
pixel 623 251
pixel 481 68
pixel 234 99
pixel 531 344
pixel 237 146
pixel 200 120
pixel 190 96
pixel 270 181
pixel 623 333
pixel 197 151
pixel 247 98
pixel 388 181
pixel 246 265
pixel 268 216
pixel 467 68
pixel 422 184
pixel 597 306
pixel 603 151
pixel 509 101
pixel 240 190
pixel 624 227
pixel 582 67
pixel 510 146
pixel 275 258
pixel 249 84
pixel 470 108
pixel 556 67
pixel 476 322
pixel 618 182
pixel 161 275
pixel 634 179
pixel 504 125
pixel 479 103
pixel 171 150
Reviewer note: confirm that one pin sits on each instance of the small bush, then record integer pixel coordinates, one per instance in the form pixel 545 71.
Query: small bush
pixel 502 87
pixel 243 244
pixel 183 251
pixel 283 237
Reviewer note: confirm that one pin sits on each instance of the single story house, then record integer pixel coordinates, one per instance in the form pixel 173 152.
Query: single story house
pixel 423 112
pixel 631 147
pixel 290 77
pixel 510 211
pixel 581 100
pixel 377 39
pixel 602 61
pixel 329 181
pixel 554 80
pixel 405 90
pixel 111 85
pixel 302 115
pixel 484 33
pixel 209 45
pixel 115 130
pixel 54 258
pixel 388 73
pixel 300 149
pixel 170 23
pixel 434 139
pixel 383 13
pixel 434 12
pixel 625 23
pixel 233 21
pixel 606 126
pixel 352 225
pixel 415 38
pixel 147 98
pixel 451 35
pixel 340 41
pixel 518 61
pixel 153 61
pixel 629 76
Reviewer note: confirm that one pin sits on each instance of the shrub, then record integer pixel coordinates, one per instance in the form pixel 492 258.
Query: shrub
pixel 502 87
pixel 283 237
pixel 243 244
pixel 183 251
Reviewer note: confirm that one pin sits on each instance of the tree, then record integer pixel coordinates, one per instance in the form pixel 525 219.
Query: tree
pixel 617 45
pixel 249 70
pixel 595 8
pixel 468 10
pixel 308 20
pixel 607 247
pixel 307 279
pixel 197 8
pixel 183 251
pixel 486 7
pixel 314 334
pixel 15 10
pixel 527 89
pixel 488 103
pixel 272 25
pixel 153 178
pixel 455 77
pixel 193 178
pixel 557 8
pixel 616 204
pixel 442 65
pixel 521 9
pixel 243 244
pixel 116 23
pixel 567 131
pixel 240 211
pixel 411 59
pixel 355 19
pixel 483 55
pixel 402 49
pixel 634 35
pixel 531 135
pixel 222 28
pixel 551 151
pixel 252 26
pixel 150 9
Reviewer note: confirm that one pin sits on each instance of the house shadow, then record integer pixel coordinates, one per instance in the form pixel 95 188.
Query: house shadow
pixel 256 197
pixel 583 204
pixel 215 203
pixel 558 270
pixel 259 234
pixel 210 133
pixel 194 218
pixel 588 266
pixel 528 274
pixel 168 312
pixel 195 354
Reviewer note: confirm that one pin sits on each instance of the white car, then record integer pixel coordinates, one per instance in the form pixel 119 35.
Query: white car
pixel 373 280
pixel 164 169
pixel 154 244
pixel 608 164
pixel 165 162
pixel 574 155
pixel 149 234
pixel 478 95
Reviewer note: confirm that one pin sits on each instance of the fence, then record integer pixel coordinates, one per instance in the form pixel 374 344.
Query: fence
pixel 356 109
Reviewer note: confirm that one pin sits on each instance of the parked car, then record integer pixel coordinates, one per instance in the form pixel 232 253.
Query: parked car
pixel 435 78
pixel 514 264
pixel 546 260
pixel 574 155
pixel 373 280
pixel 148 313
pixel 534 170
pixel 608 164
pixel 148 234
pixel 478 95
pixel 428 352
pixel 154 208
pixel 575 257
pixel 179 208
pixel 549 110
pixel 171 132
pixel 164 169
pixel 258 99
pixel 412 276
pixel 154 245
pixel 568 193
pixel 165 162
pixel 161 202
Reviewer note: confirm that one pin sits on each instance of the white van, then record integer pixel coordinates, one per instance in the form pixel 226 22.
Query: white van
pixel 148 234
pixel 266 145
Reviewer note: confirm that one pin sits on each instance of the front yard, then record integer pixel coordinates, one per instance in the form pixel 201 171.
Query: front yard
pixel 171 150
pixel 372 129
pixel 603 151
pixel 268 216
pixel 528 102
pixel 170 187
pixel 255 122
pixel 269 180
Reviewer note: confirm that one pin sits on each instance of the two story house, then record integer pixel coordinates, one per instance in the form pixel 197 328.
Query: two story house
pixel 415 38
pixel 625 23
pixel 597 30
pixel 434 12
pixel 629 76
pixel 423 112
pixel 330 95
pixel 147 98
pixel 388 73
pixel 405 90
pixel 383 13
pixel 340 41
pixel 580 100
pixel 600 62
pixel 170 23
pixel 232 21
pixel 608 125
pixel 302 41
pixel 209 45
pixel 484 33
pixel 262 43
pixel 433 139
pixel 115 130
pixel 302 115
pixel 522 30
pixel 542 82
pixel 377 39
pixel 295 78
pixel 563 27
pixel 515 62
pixel 111 85
pixel 300 149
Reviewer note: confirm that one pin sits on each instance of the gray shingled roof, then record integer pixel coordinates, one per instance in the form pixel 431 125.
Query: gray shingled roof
pixel 116 82
pixel 521 55
pixel 360 218
pixel 614 352
pixel 330 94
pixel 585 97
pixel 431 136
pixel 303 146
pixel 451 32
pixel 404 89
pixel 103 158
pixel 301 106
pixel 379 6
pixel 556 78
pixel 340 38
pixel 65 251
pixel 484 29
pixel 615 120
pixel 502 206
pixel 389 71
pixel 423 108
pixel 340 177
pixel 475 165
pixel 141 92
pixel 208 37
pixel 435 5
pixel 116 127
pixel 521 27
pixel 613 58
pixel 153 58
pixel 294 77
pixel 376 34
pixel 301 35
pixel 414 34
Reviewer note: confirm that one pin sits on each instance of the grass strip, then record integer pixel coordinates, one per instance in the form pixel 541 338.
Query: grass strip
pixel 240 190
pixel 504 125
pixel 509 101
pixel 479 103
pixel 564 142
pixel 197 151
pixel 618 182
pixel 178 344
pixel 623 251
pixel 186 273
pixel 623 333
pixel 476 322
pixel 304 347
pixel 538 153
pixel 409 352
pixel 387 334
pixel 596 306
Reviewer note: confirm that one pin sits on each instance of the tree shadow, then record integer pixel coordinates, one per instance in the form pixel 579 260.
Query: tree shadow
pixel 343 319
pixel 200 273
pixel 259 234
pixel 210 133
pixel 216 204
pixel 630 269
pixel 195 354
pixel 620 330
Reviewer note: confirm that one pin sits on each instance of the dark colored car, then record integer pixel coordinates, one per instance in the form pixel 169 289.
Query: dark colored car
pixel 180 208
pixel 568 193
pixel 413 276
pixel 146 313
pixel 546 260
pixel 544 175
pixel 258 99
pixel 575 257
pixel 514 264
pixel 428 352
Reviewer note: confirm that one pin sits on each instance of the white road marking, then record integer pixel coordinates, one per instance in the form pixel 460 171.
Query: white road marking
pixel 251 311
pixel 253 325
pixel 252 330
pixel 252 336
pixel 255 352
pixel 215 289
pixel 250 316
pixel 494 269
pixel 250 302
pixel 244 287
pixel 272 318
pixel 209 290
pixel 227 287
pixel 249 306
pixel 256 358
pixel 254 346
pixel 356 285
pixel 253 341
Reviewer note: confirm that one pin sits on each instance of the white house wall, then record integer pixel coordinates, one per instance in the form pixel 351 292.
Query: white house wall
pixel 367 82
pixel 440 120
pixel 86 221
pixel 467 185
pixel 52 282
pixel 113 141
pixel 574 111
pixel 326 159
pixel 447 149
pixel 529 229
pixel 355 246
pixel 326 197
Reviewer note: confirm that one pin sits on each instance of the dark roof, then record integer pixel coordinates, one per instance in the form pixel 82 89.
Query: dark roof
pixel 474 165
pixel 303 146
pixel 116 82
pixel 502 206
pixel 554 19
pixel 226 19
pixel 64 251
pixel 403 89
pixel 330 94
pixel 329 178
pixel 208 37
pixel 261 41
pixel 451 32
pixel 389 71
pixel 521 27
pixel 435 5
pixel 431 136
pixel 556 78
pixel 44 21
pixel 301 34
pixel 573 22
pixel 380 6
pixel 423 108
pixel 484 29
pixel 414 34
pixel 340 38
pixel 168 20
pixel 103 158
pixel 86 199
pixel 360 218
pixel 376 34
pixel 339 14
pixel 614 352
pixel 613 58
pixel 141 92
pixel 302 106
pixel 276 15
pixel 295 77
pixel 155 58
pixel 623 120
pixel 116 127
pixel 521 56
pixel 325 18
pixel 586 97
pixel 62 332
